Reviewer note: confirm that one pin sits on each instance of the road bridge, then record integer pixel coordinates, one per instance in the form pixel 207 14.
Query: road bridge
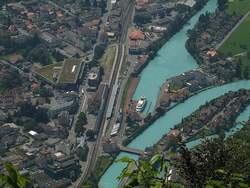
pixel 131 150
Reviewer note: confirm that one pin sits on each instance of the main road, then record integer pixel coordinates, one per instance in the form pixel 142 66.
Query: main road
pixel 128 8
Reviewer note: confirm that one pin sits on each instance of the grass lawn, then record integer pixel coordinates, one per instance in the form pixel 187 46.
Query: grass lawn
pixel 239 43
pixel 239 7
pixel 125 92
pixel 102 164
pixel 47 71
pixel 70 71
pixel 108 58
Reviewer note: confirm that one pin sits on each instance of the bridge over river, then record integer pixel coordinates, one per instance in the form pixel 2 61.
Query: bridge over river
pixel 131 150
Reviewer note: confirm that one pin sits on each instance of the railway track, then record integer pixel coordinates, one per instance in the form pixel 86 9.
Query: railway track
pixel 126 20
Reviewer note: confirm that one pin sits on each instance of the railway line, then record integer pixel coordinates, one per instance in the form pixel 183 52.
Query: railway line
pixel 126 21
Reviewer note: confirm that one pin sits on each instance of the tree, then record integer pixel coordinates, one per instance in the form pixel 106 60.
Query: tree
pixel 79 129
pixel 87 3
pixel 246 71
pixel 142 18
pixel 99 51
pixel 13 179
pixel 10 80
pixel 95 3
pixel 222 4
pixel 216 163
pixel 41 115
pixel 103 5
pixel 38 114
pixel 81 121
pixel 82 152
pixel 40 54
pixel 90 133
pixel 43 92
pixel 82 118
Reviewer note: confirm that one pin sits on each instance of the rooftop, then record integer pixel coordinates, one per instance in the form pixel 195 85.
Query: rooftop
pixel 136 35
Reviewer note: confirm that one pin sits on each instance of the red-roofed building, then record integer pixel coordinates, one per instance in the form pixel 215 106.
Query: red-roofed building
pixel 136 35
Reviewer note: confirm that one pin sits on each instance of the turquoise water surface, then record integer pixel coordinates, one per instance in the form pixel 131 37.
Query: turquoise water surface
pixel 172 59
pixel 163 125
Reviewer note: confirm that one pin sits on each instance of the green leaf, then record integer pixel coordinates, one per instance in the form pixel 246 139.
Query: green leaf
pixel 243 185
pixel 140 178
pixel 220 171
pixel 13 174
pixel 125 160
pixel 215 184
pixel 155 159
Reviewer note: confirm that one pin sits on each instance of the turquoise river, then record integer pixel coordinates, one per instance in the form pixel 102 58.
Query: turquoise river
pixel 172 59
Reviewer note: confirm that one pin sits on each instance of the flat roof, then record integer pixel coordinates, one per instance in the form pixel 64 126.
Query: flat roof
pixel 33 133
pixel 70 71
pixel 112 101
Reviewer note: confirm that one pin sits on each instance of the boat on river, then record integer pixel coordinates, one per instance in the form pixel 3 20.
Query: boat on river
pixel 141 104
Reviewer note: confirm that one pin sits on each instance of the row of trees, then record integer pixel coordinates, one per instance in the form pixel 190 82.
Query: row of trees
pixel 81 121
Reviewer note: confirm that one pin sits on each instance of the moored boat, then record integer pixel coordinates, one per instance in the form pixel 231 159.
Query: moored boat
pixel 141 104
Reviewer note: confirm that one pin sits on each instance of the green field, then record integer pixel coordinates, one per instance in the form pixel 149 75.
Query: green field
pixel 47 71
pixel 107 59
pixel 239 41
pixel 238 46
pixel 238 6
pixel 70 70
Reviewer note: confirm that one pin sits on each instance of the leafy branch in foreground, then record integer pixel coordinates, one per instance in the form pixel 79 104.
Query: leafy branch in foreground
pixel 216 163
pixel 153 173
pixel 13 179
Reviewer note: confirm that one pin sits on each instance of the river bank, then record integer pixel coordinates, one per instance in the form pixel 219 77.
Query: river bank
pixel 168 31
pixel 215 117
pixel 151 79
pixel 164 124
pixel 138 119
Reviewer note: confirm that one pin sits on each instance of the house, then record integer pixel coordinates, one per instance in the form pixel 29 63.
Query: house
pixel 63 166
pixel 41 179
pixel 50 39
pixel 11 98
pixel 64 118
pixel 136 35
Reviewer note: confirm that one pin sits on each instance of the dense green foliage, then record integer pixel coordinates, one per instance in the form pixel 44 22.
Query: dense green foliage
pixel 90 134
pixel 99 51
pixel 222 4
pixel 9 80
pixel 43 92
pixel 40 54
pixel 81 121
pixel 147 173
pixel 13 179
pixel 39 114
pixel 238 46
pixel 216 163
pixel 142 18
